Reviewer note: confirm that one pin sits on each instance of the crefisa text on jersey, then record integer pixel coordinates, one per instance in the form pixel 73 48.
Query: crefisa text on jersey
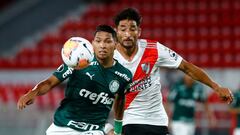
pixel 102 97
pixel 122 75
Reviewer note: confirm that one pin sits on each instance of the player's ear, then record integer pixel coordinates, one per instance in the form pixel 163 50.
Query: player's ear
pixel 115 29
pixel 115 43
pixel 139 31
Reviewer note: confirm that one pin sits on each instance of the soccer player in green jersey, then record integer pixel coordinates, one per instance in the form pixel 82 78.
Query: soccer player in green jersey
pixel 90 92
pixel 184 95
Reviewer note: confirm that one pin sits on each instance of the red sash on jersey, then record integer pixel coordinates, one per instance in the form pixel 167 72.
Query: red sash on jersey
pixel 144 68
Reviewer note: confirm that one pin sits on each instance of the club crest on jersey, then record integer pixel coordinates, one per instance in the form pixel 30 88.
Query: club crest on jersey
pixel 114 86
pixel 146 67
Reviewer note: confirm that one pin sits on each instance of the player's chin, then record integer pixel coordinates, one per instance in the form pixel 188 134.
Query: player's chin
pixel 127 42
pixel 102 56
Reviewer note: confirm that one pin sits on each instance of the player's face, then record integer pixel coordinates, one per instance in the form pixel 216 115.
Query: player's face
pixel 103 45
pixel 128 32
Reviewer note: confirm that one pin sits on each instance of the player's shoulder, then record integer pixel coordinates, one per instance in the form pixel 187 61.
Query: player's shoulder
pixel 123 71
pixel 122 68
pixel 144 43
pixel 63 72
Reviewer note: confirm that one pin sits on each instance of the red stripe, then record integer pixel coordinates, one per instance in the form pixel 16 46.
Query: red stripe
pixel 150 56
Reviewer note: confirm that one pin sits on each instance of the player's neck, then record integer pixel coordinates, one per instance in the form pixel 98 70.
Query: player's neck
pixel 127 53
pixel 106 63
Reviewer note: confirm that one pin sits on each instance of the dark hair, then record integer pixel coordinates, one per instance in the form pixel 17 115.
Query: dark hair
pixel 106 28
pixel 130 14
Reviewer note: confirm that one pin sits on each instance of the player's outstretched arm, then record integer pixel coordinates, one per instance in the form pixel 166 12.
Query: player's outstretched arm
pixel 40 89
pixel 198 74
pixel 118 113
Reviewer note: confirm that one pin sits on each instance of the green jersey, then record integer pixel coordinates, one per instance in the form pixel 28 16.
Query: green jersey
pixel 89 95
pixel 184 100
pixel 236 104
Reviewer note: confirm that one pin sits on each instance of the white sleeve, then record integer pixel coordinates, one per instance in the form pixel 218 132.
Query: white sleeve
pixel 167 57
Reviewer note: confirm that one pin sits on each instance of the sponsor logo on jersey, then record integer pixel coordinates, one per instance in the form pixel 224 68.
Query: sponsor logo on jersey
pixel 96 98
pixel 89 75
pixel 68 72
pixel 83 125
pixel 114 86
pixel 141 84
pixel 146 67
pixel 60 68
pixel 173 54
pixel 122 75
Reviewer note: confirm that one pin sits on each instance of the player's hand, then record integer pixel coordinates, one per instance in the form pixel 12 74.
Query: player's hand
pixel 111 132
pixel 26 99
pixel 225 94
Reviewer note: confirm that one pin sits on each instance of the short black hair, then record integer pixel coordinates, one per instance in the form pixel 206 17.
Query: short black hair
pixel 130 14
pixel 106 28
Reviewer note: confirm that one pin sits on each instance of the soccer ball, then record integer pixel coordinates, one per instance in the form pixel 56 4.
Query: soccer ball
pixel 77 52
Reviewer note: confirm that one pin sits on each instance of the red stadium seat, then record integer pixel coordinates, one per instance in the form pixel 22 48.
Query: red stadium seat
pixel 4 94
pixel 205 26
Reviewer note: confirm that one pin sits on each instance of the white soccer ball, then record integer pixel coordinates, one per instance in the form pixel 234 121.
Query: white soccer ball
pixel 77 52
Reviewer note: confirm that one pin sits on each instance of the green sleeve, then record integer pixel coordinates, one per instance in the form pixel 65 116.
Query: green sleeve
pixel 124 90
pixel 63 72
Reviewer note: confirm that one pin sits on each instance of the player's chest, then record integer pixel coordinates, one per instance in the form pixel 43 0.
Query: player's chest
pixel 97 81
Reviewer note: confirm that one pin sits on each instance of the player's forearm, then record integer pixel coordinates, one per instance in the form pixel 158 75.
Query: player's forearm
pixel 46 85
pixel 42 88
pixel 119 107
pixel 118 114
pixel 198 74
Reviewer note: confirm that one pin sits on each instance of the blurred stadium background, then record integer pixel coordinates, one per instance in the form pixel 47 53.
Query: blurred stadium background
pixel 32 32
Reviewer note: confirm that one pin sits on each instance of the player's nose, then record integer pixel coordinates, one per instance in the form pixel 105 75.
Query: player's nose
pixel 127 33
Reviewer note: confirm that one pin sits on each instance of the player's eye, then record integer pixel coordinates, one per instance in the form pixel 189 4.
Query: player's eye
pixel 109 41
pixel 97 41
pixel 133 29
pixel 122 29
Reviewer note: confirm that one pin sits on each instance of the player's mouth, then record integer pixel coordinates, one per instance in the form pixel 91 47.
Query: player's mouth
pixel 128 39
pixel 127 42
pixel 102 52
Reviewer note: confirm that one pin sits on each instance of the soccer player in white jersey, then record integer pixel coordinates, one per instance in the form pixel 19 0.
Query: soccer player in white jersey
pixel 144 112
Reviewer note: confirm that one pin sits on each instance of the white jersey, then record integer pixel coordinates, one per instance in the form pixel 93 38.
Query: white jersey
pixel 145 106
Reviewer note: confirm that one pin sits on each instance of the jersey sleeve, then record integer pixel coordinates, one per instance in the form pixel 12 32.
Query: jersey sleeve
pixel 63 72
pixel 167 57
pixel 127 84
